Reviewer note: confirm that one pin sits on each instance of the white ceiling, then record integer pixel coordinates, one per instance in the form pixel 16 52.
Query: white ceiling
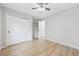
pixel 27 8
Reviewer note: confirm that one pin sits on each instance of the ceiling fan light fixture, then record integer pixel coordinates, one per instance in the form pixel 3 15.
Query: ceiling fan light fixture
pixel 41 9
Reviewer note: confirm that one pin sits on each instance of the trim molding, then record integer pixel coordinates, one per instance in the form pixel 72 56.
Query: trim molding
pixel 64 44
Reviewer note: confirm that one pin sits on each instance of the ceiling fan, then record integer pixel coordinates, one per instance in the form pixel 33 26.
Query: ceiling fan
pixel 41 7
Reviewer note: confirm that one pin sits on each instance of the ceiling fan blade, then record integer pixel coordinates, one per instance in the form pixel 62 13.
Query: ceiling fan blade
pixel 46 3
pixel 47 9
pixel 34 8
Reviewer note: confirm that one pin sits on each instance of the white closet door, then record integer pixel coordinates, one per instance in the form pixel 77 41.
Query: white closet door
pixel 17 30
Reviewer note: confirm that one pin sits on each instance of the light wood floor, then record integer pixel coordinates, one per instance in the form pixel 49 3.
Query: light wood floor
pixel 39 48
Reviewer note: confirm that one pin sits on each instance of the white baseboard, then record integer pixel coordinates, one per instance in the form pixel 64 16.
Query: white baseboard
pixel 64 44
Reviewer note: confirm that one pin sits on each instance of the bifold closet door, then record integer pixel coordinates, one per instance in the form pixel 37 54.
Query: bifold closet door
pixel 17 30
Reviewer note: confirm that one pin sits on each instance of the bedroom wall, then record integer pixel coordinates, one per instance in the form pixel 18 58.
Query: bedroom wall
pixel 63 27
pixel 0 26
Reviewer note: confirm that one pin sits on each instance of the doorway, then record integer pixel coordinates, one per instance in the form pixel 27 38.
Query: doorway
pixel 41 29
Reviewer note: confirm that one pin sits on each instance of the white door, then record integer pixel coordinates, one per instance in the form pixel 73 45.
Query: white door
pixel 17 30
pixel 41 28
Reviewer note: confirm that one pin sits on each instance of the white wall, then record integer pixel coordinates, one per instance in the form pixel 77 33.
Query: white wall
pixel 63 27
pixel 0 26
pixel 3 40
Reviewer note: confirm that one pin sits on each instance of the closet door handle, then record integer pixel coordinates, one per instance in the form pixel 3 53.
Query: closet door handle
pixel 8 31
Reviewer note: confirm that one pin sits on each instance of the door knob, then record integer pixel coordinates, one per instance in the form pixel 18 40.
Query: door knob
pixel 8 31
